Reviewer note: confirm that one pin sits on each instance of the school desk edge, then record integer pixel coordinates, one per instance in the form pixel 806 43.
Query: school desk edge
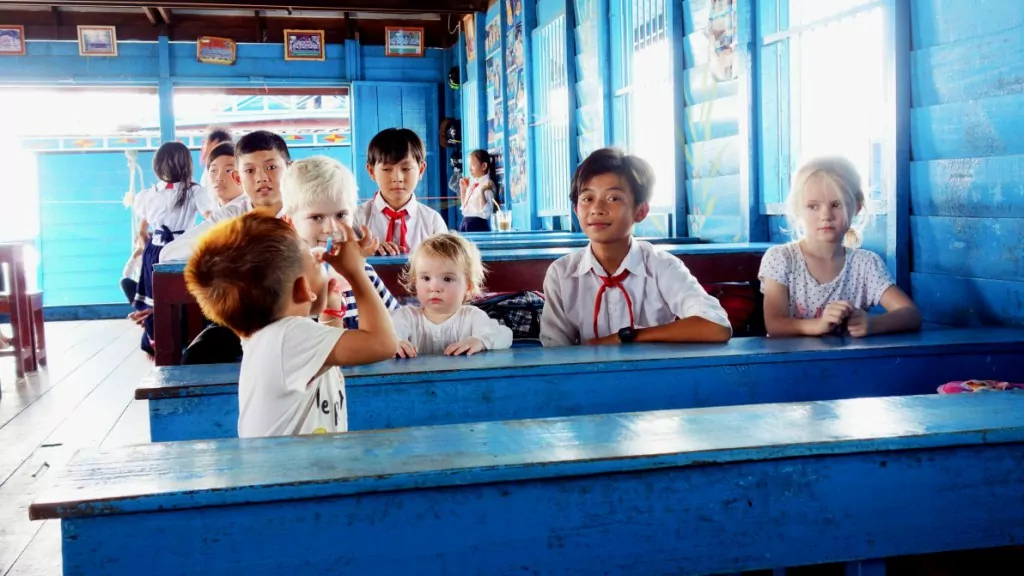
pixel 180 475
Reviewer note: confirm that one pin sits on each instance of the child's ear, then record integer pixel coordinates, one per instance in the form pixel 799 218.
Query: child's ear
pixel 369 170
pixel 423 167
pixel 288 218
pixel 301 292
pixel 236 177
pixel 641 212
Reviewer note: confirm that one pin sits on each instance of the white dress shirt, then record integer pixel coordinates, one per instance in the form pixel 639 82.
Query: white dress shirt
pixel 660 289
pixel 421 223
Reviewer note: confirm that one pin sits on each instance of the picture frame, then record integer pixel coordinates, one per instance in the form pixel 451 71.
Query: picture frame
pixel 214 50
pixel 469 31
pixel 97 41
pixel 304 45
pixel 403 41
pixel 12 40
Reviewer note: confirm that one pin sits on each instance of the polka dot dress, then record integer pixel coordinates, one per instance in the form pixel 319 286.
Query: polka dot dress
pixel 862 281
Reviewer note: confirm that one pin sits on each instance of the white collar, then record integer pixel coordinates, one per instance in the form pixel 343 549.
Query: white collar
pixel 634 262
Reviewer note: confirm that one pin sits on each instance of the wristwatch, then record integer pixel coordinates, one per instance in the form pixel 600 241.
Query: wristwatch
pixel 627 335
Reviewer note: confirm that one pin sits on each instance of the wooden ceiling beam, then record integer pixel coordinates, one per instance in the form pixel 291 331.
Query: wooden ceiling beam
pixel 382 6
pixel 151 15
pixel 165 13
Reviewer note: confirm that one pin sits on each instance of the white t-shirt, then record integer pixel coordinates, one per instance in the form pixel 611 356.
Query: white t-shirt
pixel 184 245
pixel 861 282
pixel 284 389
pixel 205 200
pixel 156 206
pixel 479 187
pixel 421 223
pixel 431 339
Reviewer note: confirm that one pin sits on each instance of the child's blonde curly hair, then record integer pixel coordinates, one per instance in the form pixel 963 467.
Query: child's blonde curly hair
pixel 455 248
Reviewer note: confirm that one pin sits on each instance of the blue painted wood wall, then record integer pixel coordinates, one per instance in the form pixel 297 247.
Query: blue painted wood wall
pixel 967 170
pixel 85 232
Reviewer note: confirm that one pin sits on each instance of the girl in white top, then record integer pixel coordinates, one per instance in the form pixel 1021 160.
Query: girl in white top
pixel 165 211
pixel 477 193
pixel 443 273
pixel 823 283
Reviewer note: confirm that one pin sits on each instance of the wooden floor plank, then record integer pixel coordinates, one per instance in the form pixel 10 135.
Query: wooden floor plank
pixel 30 547
pixel 23 433
pixel 19 395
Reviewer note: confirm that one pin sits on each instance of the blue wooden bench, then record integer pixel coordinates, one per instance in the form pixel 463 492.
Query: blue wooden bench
pixel 700 491
pixel 201 402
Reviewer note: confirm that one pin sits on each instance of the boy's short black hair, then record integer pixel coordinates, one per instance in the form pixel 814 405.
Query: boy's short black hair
pixel 222 149
pixel 636 171
pixel 218 134
pixel 392 145
pixel 262 141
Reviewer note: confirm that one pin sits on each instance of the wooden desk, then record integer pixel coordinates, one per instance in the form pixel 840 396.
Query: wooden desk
pixel 201 402
pixel 177 319
pixel 705 491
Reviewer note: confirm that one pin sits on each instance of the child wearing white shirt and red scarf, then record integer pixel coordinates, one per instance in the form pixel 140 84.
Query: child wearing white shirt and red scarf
pixel 620 289
pixel 396 160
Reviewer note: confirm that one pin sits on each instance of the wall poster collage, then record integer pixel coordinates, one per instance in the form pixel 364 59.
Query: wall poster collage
pixel 516 132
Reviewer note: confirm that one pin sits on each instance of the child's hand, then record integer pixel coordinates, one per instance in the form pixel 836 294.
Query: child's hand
pixel 463 184
pixel 859 323
pixel 336 287
pixel 833 315
pixel 369 243
pixel 389 249
pixel 611 339
pixel 346 255
pixel 405 350
pixel 469 346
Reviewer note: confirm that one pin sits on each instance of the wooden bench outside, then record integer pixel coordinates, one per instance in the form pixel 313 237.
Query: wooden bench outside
pixel 700 491
pixel 177 318
pixel 201 402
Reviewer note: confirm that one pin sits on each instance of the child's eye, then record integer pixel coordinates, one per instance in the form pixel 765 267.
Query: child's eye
pixel 425 278
pixel 316 218
pixel 248 170
pixel 341 215
pixel 449 278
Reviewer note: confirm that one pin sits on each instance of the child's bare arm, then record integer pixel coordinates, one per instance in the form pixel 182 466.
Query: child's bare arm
pixel 778 323
pixel 901 315
pixel 375 339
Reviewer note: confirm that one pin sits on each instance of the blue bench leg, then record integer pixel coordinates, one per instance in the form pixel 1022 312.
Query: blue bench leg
pixel 866 568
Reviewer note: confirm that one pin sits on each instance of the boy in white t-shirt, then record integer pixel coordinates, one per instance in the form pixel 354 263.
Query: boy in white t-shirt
pixel 255 275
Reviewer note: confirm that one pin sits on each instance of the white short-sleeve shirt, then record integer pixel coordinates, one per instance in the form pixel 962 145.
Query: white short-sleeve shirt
pixel 156 206
pixel 479 188
pixel 861 282
pixel 284 389
pixel 432 339
pixel 660 287
pixel 422 222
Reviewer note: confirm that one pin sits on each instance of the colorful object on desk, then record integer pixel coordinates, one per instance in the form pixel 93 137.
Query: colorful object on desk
pixel 964 386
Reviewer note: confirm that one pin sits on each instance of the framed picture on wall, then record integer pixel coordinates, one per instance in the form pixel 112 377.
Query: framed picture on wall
pixel 213 50
pixel 97 41
pixel 12 40
pixel 304 45
pixel 403 41
pixel 469 28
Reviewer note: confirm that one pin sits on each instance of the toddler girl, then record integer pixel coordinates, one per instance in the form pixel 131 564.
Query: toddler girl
pixel 443 273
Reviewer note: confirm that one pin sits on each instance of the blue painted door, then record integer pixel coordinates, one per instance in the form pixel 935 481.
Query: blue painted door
pixel 416 106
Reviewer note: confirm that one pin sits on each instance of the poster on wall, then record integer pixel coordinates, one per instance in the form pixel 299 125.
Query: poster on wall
pixel 469 30
pixel 97 41
pixel 721 34
pixel 304 45
pixel 12 40
pixel 516 97
pixel 212 50
pixel 492 41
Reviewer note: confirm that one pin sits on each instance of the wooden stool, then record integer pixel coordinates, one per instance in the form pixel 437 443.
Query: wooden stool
pixel 28 346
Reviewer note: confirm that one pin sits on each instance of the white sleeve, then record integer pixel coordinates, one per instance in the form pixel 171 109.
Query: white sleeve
pixel 878 278
pixel 204 200
pixel 401 320
pixel 488 330
pixel 141 203
pixel 684 295
pixel 555 327
pixel 182 247
pixel 439 226
pixel 306 345
pixel 776 265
